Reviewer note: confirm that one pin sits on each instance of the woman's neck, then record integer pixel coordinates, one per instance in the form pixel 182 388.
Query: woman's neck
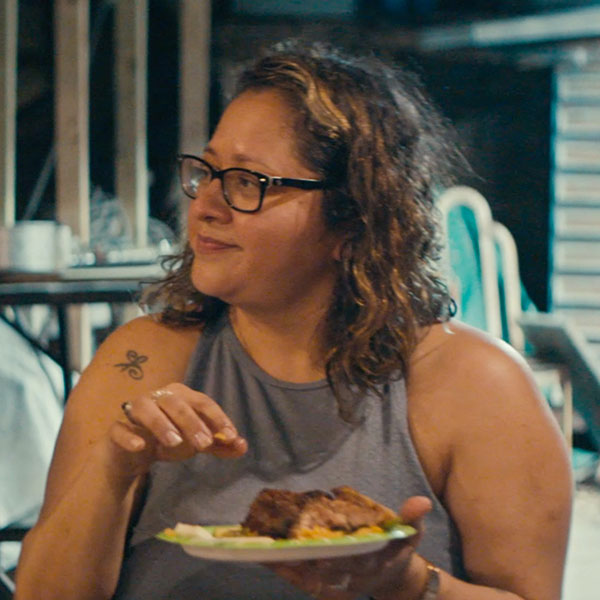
pixel 288 347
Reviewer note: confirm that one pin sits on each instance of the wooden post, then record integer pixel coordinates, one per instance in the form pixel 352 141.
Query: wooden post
pixel 195 20
pixel 8 91
pixel 71 31
pixel 195 28
pixel 71 39
pixel 131 40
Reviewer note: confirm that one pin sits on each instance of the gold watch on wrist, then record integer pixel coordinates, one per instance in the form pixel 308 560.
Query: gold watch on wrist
pixel 432 583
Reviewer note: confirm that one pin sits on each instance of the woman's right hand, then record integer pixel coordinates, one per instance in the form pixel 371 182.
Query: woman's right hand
pixel 396 571
pixel 170 424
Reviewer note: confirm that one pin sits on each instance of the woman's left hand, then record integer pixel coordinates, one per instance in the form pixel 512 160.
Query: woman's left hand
pixel 388 573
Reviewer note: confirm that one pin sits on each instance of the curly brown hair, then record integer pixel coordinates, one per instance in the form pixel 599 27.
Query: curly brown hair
pixel 368 130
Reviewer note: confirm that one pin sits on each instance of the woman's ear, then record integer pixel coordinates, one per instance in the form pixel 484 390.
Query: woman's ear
pixel 340 247
pixel 337 251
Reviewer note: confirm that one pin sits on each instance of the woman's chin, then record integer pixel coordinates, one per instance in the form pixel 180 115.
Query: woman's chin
pixel 216 288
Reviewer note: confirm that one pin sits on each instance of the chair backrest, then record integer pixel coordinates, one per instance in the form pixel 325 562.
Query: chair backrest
pixel 470 257
pixel 509 285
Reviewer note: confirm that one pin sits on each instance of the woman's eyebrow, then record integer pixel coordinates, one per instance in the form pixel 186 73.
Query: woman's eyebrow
pixel 209 150
pixel 240 158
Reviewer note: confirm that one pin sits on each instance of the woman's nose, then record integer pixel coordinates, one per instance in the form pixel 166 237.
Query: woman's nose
pixel 209 202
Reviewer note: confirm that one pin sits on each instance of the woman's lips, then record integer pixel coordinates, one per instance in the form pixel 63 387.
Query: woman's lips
pixel 208 245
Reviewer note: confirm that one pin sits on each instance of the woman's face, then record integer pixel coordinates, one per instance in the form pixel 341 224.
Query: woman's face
pixel 281 256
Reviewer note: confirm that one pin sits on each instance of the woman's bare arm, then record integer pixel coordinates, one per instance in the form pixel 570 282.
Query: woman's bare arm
pixel 75 550
pixel 493 450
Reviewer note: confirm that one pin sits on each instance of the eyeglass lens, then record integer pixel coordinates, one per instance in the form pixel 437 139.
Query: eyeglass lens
pixel 241 188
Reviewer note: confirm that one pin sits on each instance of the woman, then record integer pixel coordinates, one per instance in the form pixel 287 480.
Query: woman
pixel 305 323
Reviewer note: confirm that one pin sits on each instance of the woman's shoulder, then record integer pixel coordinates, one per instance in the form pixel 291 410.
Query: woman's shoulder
pixel 461 354
pixel 457 369
pixel 152 326
pixel 146 339
pixel 466 388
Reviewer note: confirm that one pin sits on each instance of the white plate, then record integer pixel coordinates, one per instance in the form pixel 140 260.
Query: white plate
pixel 283 550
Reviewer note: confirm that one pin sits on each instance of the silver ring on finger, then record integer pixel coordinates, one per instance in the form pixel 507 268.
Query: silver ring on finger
pixel 126 408
pixel 156 395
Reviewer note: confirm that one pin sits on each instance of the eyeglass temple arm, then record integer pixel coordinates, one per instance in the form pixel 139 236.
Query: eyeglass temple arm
pixel 304 184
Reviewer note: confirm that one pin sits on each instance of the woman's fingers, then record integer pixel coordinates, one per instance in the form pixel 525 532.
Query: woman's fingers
pixel 367 574
pixel 414 509
pixel 342 578
pixel 144 412
pixel 198 417
pixel 126 437
pixel 413 512
pixel 238 447
pixel 190 424
pixel 133 449
pixel 184 421
pixel 218 423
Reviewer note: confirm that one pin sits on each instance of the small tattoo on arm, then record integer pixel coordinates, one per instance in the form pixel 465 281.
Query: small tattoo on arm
pixel 133 367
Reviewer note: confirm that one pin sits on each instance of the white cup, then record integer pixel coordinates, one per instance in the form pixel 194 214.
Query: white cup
pixel 35 247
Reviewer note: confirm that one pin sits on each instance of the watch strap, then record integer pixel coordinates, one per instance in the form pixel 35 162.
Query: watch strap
pixel 432 583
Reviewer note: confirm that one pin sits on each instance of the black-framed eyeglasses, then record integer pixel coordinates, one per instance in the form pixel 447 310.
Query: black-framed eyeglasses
pixel 243 189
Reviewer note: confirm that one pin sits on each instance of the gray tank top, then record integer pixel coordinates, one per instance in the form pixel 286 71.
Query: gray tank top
pixel 296 441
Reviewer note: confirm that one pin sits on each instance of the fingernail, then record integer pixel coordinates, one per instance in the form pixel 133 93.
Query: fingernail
pixel 136 443
pixel 228 433
pixel 173 438
pixel 202 440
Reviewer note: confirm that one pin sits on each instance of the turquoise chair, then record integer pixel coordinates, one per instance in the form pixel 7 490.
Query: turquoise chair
pixel 481 265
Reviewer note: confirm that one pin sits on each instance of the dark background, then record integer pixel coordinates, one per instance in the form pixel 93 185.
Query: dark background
pixel 500 108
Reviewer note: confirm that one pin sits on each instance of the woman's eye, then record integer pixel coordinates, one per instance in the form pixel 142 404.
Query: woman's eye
pixel 245 180
pixel 201 174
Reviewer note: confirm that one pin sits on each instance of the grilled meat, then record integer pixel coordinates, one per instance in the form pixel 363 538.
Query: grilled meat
pixel 285 514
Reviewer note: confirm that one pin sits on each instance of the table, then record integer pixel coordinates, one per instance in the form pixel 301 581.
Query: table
pixel 80 285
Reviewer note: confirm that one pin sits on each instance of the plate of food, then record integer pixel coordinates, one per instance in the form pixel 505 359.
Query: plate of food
pixel 282 525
